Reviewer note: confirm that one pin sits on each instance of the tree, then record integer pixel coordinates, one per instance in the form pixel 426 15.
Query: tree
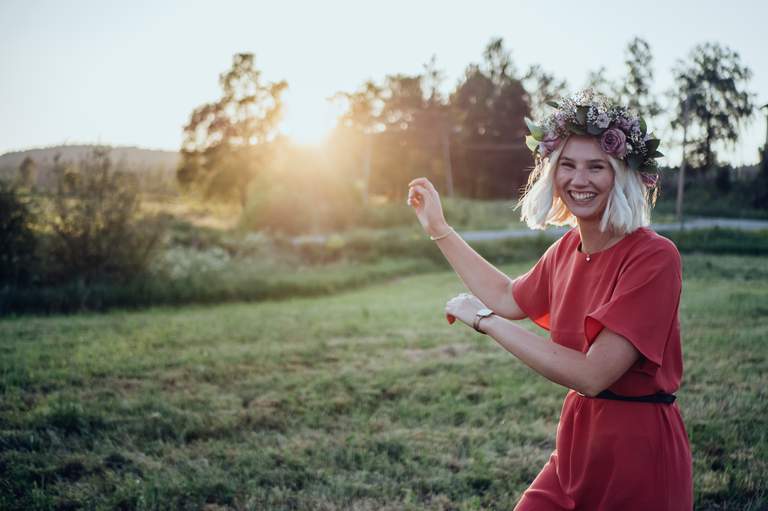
pixel 715 82
pixel 403 100
pixel 497 62
pixel 363 107
pixel 490 105
pixel 636 88
pixel 600 83
pixel 28 172
pixel 226 141
pixel 542 87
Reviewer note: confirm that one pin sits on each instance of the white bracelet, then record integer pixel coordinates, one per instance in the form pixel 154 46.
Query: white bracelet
pixel 435 238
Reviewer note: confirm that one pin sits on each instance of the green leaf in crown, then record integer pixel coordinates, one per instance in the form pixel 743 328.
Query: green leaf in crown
pixel 536 131
pixel 532 143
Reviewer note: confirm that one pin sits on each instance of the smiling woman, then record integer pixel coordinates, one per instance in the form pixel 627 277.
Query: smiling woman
pixel 608 291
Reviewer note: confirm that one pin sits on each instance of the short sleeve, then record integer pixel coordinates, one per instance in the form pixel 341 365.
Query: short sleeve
pixel 531 290
pixel 644 305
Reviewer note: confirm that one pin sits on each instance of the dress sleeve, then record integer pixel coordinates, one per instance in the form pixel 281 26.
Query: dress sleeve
pixel 644 305
pixel 531 290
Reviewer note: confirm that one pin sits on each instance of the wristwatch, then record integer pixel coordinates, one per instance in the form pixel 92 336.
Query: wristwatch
pixel 482 313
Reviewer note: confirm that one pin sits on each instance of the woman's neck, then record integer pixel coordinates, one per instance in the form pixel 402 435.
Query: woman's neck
pixel 593 239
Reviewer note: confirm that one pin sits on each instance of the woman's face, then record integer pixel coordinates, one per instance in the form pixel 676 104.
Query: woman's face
pixel 583 177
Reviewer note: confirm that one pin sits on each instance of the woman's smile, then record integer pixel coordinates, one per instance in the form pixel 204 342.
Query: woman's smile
pixel 582 197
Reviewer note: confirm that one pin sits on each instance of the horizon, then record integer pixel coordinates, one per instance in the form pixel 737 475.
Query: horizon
pixel 47 42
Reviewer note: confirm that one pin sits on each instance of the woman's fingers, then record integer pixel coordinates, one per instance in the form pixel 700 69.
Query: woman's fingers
pixel 423 181
pixel 420 193
pixel 426 183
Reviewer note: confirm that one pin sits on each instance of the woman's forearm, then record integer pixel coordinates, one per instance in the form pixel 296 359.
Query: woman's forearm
pixel 483 279
pixel 557 363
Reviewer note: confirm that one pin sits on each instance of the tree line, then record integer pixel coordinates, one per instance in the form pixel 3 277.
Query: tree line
pixel 470 140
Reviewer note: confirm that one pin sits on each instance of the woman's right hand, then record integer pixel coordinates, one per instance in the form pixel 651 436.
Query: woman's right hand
pixel 424 199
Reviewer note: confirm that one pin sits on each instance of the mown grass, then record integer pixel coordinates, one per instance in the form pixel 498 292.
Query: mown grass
pixel 366 399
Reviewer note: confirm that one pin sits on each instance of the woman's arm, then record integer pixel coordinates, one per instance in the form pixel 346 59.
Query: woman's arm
pixel 484 280
pixel 487 283
pixel 609 357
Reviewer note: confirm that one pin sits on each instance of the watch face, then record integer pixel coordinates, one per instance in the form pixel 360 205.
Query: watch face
pixel 484 312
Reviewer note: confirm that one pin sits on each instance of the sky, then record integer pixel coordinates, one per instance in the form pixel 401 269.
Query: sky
pixel 130 73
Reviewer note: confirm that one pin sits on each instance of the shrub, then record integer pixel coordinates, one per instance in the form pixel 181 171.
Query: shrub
pixel 17 238
pixel 95 229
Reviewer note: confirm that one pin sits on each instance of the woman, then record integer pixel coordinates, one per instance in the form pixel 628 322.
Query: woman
pixel 608 291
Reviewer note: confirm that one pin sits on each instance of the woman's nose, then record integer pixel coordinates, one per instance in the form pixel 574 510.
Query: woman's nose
pixel 580 177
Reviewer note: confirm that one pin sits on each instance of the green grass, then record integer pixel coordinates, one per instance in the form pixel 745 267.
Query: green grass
pixel 367 399
pixel 265 268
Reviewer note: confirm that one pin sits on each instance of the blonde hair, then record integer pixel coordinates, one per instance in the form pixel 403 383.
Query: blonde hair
pixel 629 204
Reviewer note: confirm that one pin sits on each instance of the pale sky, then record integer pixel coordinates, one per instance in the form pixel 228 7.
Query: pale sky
pixel 130 73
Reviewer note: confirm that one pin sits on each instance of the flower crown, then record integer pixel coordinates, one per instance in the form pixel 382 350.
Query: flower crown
pixel 622 133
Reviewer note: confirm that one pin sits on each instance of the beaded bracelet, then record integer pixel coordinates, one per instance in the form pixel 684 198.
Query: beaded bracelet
pixel 435 238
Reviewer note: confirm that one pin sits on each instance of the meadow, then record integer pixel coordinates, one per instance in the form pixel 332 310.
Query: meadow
pixel 364 399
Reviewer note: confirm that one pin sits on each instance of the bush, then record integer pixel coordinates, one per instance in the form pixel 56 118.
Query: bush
pixel 17 238
pixel 301 191
pixel 718 240
pixel 95 230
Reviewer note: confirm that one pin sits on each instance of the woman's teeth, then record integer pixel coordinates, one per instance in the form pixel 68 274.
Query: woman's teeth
pixel 582 197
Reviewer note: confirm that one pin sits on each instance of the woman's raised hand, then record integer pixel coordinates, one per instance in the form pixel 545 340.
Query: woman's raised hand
pixel 424 199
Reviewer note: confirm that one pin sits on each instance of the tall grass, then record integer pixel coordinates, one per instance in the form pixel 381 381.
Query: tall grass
pixel 206 266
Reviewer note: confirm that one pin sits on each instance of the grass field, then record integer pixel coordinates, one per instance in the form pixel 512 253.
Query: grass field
pixel 367 399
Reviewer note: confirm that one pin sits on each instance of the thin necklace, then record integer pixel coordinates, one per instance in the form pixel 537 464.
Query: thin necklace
pixel 604 244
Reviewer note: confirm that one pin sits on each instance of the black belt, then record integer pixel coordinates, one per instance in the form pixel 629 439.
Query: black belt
pixel 659 397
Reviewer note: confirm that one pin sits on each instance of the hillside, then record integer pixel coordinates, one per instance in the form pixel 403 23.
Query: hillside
pixel 153 164
pixel 134 157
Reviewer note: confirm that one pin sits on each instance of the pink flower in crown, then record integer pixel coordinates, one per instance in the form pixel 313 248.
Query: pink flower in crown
pixel 649 180
pixel 625 124
pixel 550 143
pixel 614 142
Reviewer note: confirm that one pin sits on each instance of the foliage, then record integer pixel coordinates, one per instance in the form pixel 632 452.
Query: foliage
pixel 226 142
pixel 28 172
pixel 716 194
pixel 489 105
pixel 541 88
pixel 635 90
pixel 597 80
pixel 18 243
pixel 96 231
pixel 714 82
pixel 301 192
pixel 254 267
pixel 405 127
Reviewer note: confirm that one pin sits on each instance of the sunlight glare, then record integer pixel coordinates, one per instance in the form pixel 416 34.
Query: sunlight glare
pixel 306 121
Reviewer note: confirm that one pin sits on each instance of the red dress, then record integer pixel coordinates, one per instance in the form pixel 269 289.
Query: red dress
pixel 613 455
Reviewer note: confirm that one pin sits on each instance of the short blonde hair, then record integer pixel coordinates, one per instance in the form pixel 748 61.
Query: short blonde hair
pixel 629 204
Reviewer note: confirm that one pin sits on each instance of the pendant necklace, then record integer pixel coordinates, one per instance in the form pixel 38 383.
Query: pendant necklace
pixel 588 256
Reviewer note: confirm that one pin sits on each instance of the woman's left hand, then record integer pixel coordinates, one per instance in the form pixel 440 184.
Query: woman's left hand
pixel 464 307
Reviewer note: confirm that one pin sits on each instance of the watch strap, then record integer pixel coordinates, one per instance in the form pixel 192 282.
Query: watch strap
pixel 476 322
